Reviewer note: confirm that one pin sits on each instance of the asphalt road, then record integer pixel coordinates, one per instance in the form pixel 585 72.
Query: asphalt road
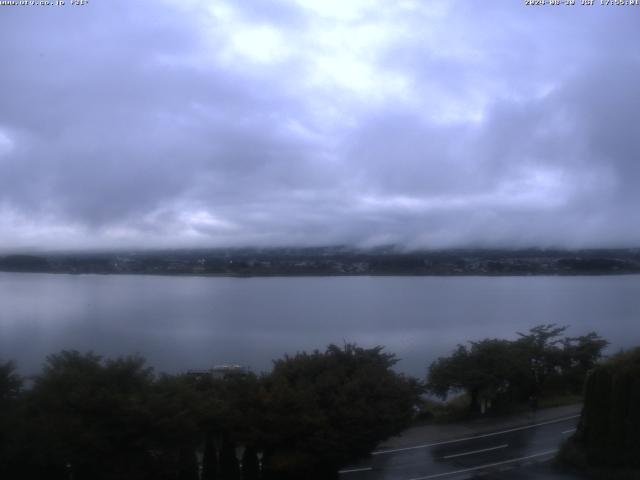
pixel 513 453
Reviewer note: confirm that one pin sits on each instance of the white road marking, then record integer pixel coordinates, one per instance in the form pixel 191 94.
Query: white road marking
pixel 488 465
pixel 477 451
pixel 354 470
pixel 568 431
pixel 446 442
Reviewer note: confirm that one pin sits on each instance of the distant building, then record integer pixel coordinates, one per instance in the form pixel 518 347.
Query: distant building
pixel 226 369
pixel 220 371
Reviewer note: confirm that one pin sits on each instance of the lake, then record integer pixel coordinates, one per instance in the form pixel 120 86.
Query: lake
pixel 179 323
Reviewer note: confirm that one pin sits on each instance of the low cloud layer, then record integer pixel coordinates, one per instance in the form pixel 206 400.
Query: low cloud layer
pixel 299 122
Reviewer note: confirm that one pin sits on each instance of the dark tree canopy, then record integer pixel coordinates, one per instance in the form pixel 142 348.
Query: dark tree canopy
pixel 609 429
pixel 92 418
pixel 327 408
pixel 501 372
pixel 484 370
pixel 10 390
pixel 10 384
pixel 88 416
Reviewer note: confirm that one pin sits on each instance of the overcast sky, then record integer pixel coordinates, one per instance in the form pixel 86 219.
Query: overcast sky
pixel 158 123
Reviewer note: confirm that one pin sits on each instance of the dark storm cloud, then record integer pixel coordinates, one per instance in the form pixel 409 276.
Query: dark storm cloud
pixel 186 123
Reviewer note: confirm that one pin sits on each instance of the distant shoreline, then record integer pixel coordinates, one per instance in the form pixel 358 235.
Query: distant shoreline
pixel 332 262
pixel 327 275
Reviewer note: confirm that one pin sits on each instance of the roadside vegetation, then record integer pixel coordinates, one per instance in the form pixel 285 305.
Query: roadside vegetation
pixel 606 444
pixel 542 367
pixel 88 417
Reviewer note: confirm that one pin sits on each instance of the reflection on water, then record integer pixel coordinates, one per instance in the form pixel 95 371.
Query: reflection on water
pixel 193 322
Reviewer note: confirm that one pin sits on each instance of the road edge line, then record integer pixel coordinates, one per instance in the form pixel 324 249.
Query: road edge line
pixel 488 465
pixel 484 435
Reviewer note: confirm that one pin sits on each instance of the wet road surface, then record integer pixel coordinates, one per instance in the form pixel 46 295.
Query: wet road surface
pixel 514 453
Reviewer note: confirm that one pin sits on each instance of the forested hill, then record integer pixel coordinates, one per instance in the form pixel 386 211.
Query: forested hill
pixel 331 261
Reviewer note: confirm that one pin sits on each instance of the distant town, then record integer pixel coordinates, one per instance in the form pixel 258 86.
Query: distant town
pixel 330 261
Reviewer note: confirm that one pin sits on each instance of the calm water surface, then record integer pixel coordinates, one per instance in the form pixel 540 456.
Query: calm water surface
pixel 194 322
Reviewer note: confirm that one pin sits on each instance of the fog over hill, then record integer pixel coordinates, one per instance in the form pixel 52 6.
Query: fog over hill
pixel 441 124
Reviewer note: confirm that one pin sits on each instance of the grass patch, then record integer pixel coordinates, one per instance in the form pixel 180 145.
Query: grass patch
pixel 457 409
pixel 560 400
pixel 454 410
